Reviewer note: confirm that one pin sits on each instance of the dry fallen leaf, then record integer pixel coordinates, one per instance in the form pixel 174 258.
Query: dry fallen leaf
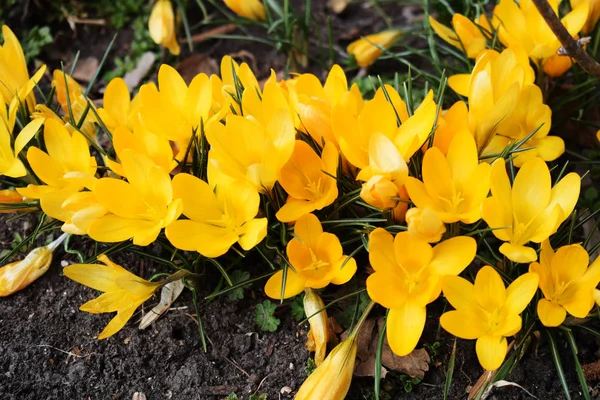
pixel 338 6
pixel 85 69
pixel 196 64
pixel 135 76
pixel 169 293
pixel 414 364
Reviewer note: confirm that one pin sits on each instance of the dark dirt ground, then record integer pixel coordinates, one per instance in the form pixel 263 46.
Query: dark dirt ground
pixel 48 348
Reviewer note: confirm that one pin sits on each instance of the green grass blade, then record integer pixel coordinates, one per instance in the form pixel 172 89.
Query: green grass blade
pixel 584 386
pixel 558 365
pixel 450 373
pixel 378 356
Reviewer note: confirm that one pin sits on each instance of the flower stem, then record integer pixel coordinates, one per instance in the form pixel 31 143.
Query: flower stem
pixel 362 319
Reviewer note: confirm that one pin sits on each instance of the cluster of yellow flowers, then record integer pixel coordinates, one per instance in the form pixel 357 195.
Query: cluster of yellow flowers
pixel 220 162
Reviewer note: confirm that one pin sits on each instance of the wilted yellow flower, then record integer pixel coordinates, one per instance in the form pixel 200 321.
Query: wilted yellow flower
pixel 407 278
pixel 317 258
pixel 318 335
pixel 487 311
pixel 425 224
pixel 65 169
pixel 137 209
pixel 593 15
pixel 123 291
pixel 454 185
pixel 530 210
pixel 331 380
pixel 366 51
pixel 465 35
pixel 566 281
pixel 11 201
pixel 161 26
pixel 73 102
pixel 521 25
pixel 20 274
pixel 252 9
pixel 218 216
pixel 309 180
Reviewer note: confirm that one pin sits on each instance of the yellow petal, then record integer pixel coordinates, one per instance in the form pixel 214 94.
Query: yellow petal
pixel 27 133
pixel 252 233
pixel 518 253
pixel 117 323
pixel 551 314
pixel 452 256
pixel 120 198
pixel 112 228
pixel 381 251
pixel 491 351
pixel 207 239
pixel 404 327
pixel 294 209
pixel 459 292
pixel 565 193
pixel 308 229
pixel 489 289
pixel 520 292
pixel 531 190
pixel 464 324
pixel 344 270
pixel 199 200
pixel 294 284
pixel 384 289
pixel 460 83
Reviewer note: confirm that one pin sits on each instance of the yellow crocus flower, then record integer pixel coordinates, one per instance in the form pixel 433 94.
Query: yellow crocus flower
pixel 72 100
pixel 14 77
pixel 505 106
pixel 566 281
pixel 530 210
pixel 407 277
pixel 137 209
pixel 366 51
pixel 313 102
pixel 119 110
pixel 593 15
pixel 455 185
pixel 425 224
pixel 487 311
pixel 10 164
pixel 175 110
pixel 318 335
pixel 161 26
pixel 253 147
pixel 452 121
pixel 309 180
pixel 317 259
pixel 20 274
pixel 123 291
pixel 218 216
pixel 465 35
pixel 521 24
pixel 11 201
pixel 65 169
pixel 252 9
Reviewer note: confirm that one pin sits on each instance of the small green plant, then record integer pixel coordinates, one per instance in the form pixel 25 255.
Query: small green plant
pixel 409 383
pixel 34 40
pixel 231 396
pixel 262 396
pixel 237 277
pixel 310 366
pixel 265 316
pixel 297 307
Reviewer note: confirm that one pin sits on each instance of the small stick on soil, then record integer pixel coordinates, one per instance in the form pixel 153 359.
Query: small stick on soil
pixel 572 47
pixel 219 30
pixel 238 367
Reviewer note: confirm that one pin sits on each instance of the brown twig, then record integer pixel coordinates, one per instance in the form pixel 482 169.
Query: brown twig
pixel 572 47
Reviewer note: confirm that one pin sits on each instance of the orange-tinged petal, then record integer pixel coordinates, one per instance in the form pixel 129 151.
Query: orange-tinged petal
pixel 344 270
pixel 404 327
pixel 551 314
pixel 437 175
pixel 491 351
pixel 489 289
pixel 294 209
pixel 294 284
pixel 308 229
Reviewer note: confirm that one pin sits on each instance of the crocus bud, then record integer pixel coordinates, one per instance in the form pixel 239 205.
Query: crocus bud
pixel 425 224
pixel 252 9
pixel 20 274
pixel 365 50
pixel 331 380
pixel 318 336
pixel 162 26
pixel 380 192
